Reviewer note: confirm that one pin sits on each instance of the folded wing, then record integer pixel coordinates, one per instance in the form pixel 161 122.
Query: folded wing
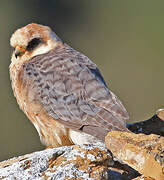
pixel 72 90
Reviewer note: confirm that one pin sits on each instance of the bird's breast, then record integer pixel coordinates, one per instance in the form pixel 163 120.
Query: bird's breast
pixel 51 132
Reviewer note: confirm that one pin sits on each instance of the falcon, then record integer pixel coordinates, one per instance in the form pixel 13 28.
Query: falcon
pixel 61 90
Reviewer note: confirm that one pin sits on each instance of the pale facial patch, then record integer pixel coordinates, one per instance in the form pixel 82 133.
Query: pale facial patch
pixel 44 48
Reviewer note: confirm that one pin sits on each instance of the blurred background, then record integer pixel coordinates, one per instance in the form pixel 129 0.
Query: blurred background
pixel 124 38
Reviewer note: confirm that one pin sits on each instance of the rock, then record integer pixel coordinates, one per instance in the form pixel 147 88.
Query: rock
pixel 144 153
pixel 144 178
pixel 160 114
pixel 154 125
pixel 71 162
pixel 91 162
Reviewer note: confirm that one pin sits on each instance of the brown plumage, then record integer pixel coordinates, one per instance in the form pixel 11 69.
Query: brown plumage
pixel 61 90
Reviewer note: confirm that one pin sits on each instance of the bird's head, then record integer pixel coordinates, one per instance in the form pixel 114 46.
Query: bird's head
pixel 32 40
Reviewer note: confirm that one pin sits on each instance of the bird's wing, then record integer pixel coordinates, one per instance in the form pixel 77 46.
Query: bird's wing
pixel 72 90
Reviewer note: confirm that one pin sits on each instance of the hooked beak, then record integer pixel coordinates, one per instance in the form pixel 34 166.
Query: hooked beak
pixel 19 51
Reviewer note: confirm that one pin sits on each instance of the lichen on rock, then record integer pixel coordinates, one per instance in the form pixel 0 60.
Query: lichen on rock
pixel 69 162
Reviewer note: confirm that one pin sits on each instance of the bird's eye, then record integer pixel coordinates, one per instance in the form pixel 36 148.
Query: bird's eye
pixel 33 44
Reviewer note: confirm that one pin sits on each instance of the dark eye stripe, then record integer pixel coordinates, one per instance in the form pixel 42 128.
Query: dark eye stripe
pixel 33 44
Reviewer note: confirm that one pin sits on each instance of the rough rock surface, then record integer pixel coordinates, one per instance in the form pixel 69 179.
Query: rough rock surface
pixel 145 153
pixel 144 178
pixel 71 162
pixel 90 162
pixel 154 125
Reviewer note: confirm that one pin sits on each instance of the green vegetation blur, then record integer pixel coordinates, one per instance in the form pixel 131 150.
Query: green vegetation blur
pixel 124 38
